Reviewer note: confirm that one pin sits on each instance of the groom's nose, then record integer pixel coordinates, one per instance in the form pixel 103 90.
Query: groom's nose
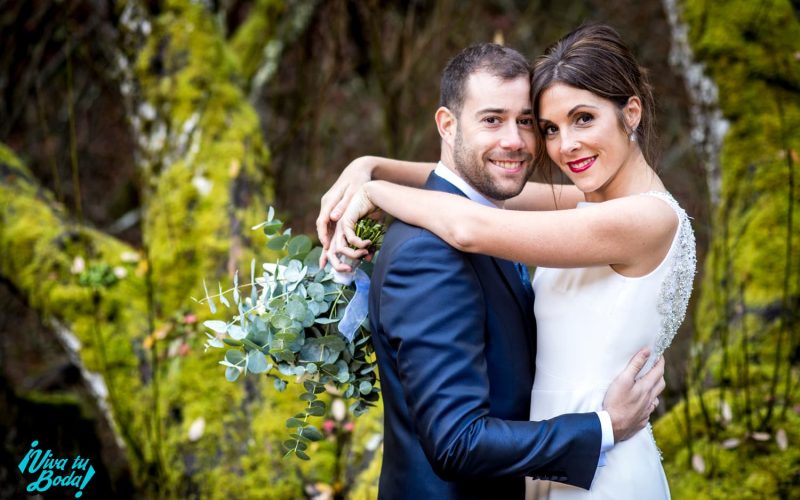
pixel 512 137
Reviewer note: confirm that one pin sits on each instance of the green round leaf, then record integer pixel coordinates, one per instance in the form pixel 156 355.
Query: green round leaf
pixel 312 433
pixel 277 242
pixel 300 244
pixel 256 362
pixel 315 411
pixel 296 309
pixel 236 332
pixel 234 356
pixel 294 422
pixel 232 373
pixel 272 227
pixel 217 326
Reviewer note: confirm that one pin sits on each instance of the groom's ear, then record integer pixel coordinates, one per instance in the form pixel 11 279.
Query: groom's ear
pixel 447 123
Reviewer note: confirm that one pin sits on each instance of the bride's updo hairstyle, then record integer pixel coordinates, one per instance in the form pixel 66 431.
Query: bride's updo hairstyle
pixel 594 58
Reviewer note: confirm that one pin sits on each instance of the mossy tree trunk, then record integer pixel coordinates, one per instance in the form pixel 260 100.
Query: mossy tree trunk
pixel 126 313
pixel 740 425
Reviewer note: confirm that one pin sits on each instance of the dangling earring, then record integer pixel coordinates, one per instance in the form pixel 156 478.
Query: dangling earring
pixel 632 136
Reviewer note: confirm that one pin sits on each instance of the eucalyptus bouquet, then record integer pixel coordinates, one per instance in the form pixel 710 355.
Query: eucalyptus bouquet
pixel 300 324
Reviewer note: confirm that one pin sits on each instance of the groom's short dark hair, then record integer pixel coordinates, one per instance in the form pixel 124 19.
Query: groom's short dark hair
pixel 497 60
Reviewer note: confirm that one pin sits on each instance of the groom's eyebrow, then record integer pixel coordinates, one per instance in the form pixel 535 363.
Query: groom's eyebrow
pixel 500 111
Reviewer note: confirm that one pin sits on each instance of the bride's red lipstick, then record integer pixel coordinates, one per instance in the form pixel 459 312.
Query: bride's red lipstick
pixel 579 166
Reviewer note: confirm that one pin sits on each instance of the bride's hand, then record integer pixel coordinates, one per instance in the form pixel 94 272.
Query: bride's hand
pixel 344 236
pixel 335 200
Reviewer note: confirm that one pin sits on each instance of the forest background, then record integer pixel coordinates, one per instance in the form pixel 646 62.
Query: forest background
pixel 140 140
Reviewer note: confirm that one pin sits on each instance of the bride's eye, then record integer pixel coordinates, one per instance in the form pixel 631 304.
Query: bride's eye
pixel 584 118
pixel 549 130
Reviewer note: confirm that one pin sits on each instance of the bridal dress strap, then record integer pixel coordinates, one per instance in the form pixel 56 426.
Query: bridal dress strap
pixel 677 285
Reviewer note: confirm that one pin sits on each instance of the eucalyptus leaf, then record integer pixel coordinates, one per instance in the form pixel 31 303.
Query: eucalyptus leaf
pixel 214 341
pixel 281 321
pixel 232 373
pixel 236 332
pixel 300 244
pixel 253 292
pixel 277 242
pixel 294 444
pixel 296 309
pixel 256 362
pixel 315 412
pixel 280 384
pixel 301 455
pixel 343 376
pixel 285 369
pixel 310 432
pixel 222 297
pixel 316 292
pixel 216 325
pixel 211 305
pixel 234 356
pixel 311 260
pixel 294 422
pixel 325 321
pixel 295 271
pixel 272 227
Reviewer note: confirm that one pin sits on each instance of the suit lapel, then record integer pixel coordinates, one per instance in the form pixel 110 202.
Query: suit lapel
pixel 514 282
pixel 506 268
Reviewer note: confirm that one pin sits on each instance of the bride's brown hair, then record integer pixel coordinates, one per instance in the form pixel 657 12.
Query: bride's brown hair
pixel 594 58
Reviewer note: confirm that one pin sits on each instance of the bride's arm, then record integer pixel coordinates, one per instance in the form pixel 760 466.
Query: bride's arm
pixel 618 232
pixel 535 195
pixel 542 196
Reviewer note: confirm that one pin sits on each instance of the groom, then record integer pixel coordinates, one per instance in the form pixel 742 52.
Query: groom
pixel 454 333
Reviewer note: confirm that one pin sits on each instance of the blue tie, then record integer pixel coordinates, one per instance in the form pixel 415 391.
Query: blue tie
pixel 525 277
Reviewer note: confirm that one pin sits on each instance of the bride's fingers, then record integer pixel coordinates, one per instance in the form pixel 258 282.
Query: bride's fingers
pixel 352 239
pixel 340 207
pixel 336 263
pixel 351 253
pixel 323 258
pixel 329 203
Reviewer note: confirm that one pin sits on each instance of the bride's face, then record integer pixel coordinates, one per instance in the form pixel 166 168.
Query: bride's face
pixel 585 135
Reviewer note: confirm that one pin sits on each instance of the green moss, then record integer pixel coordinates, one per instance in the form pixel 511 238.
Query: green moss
pixel 251 38
pixel 750 50
pixel 750 469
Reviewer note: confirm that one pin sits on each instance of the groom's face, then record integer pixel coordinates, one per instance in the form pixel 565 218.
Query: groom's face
pixel 494 137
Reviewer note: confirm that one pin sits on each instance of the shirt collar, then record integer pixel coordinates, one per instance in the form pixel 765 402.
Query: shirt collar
pixel 454 179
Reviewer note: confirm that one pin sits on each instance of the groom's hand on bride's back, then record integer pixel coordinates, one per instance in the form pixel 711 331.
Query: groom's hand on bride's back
pixel 630 402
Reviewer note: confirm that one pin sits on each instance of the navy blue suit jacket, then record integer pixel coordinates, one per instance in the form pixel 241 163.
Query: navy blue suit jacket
pixel 455 339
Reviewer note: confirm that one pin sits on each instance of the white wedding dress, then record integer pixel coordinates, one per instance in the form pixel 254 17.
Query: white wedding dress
pixel 590 322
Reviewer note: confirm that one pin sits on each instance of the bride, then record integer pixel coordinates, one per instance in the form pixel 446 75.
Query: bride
pixel 613 273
